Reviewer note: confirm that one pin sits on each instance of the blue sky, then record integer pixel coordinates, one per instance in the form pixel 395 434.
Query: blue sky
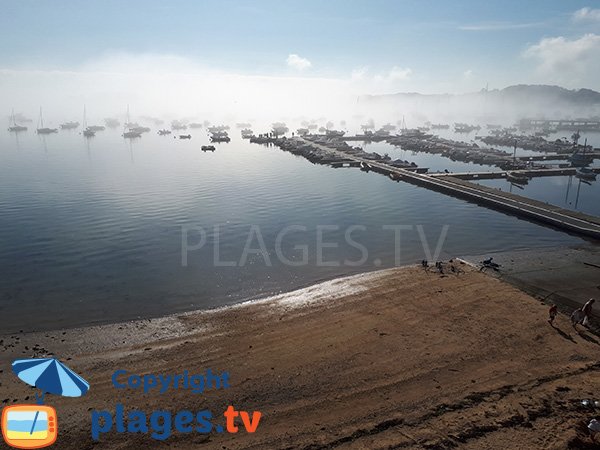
pixel 430 46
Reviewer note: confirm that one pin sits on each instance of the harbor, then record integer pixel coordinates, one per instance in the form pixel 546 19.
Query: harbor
pixel 336 152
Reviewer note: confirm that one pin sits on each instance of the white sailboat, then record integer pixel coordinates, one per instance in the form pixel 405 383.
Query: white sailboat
pixel 87 132
pixel 43 130
pixel 14 127
pixel 130 133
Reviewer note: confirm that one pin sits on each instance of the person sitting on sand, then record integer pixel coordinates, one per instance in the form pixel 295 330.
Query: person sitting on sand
pixel 440 267
pixel 552 313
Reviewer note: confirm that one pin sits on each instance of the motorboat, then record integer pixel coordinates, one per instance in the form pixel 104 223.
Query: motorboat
pixel 185 136
pixel 140 129
pixel 220 136
pixel 132 134
pixel 208 148
pixel 164 132
pixel 69 125
pixel 517 178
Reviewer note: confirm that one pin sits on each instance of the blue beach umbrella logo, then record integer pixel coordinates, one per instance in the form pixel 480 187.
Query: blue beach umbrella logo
pixel 50 376
pixel 36 426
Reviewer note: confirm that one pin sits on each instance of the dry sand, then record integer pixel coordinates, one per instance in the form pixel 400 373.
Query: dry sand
pixel 400 358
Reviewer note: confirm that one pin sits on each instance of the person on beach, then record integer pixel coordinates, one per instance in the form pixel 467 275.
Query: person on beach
pixel 552 313
pixel 594 429
pixel 577 317
pixel 587 308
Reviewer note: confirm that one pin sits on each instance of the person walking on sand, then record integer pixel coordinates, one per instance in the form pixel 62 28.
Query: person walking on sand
pixel 552 313
pixel 587 308
pixel 587 311
pixel 577 317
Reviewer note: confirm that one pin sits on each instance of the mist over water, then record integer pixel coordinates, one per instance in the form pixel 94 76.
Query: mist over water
pixel 175 87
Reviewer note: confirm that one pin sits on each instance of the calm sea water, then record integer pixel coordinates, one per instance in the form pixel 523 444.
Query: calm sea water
pixel 91 231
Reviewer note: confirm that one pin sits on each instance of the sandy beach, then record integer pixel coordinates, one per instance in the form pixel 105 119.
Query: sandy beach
pixel 400 358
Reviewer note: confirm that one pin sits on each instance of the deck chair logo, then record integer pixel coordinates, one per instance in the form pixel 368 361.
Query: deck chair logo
pixel 36 425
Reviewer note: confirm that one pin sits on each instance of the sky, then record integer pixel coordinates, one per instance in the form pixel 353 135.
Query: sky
pixel 292 47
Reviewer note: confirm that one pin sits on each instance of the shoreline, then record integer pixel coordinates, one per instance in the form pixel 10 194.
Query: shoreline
pixel 399 357
pixel 514 266
pixel 169 326
pixel 504 256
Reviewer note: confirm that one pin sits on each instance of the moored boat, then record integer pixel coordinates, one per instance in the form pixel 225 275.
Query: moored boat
pixel 585 173
pixel 220 136
pixel 134 130
pixel 15 127
pixel 69 125
pixel 132 134
pixel 517 178
pixel 42 129
pixel 87 131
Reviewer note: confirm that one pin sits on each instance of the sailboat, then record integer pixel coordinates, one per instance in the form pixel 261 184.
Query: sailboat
pixel 87 132
pixel 43 130
pixel 580 159
pixel 14 127
pixel 585 173
pixel 130 134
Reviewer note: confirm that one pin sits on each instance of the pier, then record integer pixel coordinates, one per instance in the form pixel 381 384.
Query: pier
pixel 502 174
pixel 543 213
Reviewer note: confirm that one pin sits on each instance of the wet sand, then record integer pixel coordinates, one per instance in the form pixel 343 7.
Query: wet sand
pixel 401 358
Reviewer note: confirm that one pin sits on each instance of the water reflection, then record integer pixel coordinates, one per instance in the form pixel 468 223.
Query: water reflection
pixel 102 240
pixel 568 192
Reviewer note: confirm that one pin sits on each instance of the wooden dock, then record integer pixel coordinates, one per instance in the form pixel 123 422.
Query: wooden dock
pixel 539 212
